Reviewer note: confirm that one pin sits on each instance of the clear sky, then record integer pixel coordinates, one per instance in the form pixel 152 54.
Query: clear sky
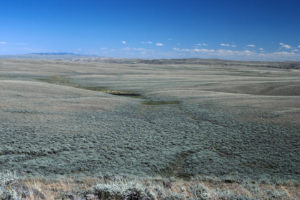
pixel 230 29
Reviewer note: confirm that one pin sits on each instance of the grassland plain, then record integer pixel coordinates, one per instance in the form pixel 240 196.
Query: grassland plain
pixel 206 122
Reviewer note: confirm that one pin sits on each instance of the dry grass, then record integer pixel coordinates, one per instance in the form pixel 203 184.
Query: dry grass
pixel 157 188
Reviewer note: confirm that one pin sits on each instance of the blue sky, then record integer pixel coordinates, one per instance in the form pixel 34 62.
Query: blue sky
pixel 230 29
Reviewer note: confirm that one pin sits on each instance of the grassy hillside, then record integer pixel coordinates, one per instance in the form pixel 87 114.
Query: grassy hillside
pixel 218 129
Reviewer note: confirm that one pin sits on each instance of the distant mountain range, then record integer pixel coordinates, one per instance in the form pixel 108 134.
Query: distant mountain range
pixel 49 55
pixel 199 61
pixel 55 53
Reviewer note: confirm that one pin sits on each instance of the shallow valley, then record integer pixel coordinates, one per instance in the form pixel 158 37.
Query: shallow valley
pixel 99 117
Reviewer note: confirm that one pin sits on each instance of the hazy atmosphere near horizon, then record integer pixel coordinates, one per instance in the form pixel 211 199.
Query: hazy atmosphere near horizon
pixel 149 100
pixel 240 30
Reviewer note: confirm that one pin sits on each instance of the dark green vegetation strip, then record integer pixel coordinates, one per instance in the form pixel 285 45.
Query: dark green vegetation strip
pixel 61 80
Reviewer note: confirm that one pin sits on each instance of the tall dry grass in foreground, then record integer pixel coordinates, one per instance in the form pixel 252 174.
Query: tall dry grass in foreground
pixel 119 188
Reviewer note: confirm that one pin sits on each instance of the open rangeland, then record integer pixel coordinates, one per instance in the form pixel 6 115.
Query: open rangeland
pixel 150 129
